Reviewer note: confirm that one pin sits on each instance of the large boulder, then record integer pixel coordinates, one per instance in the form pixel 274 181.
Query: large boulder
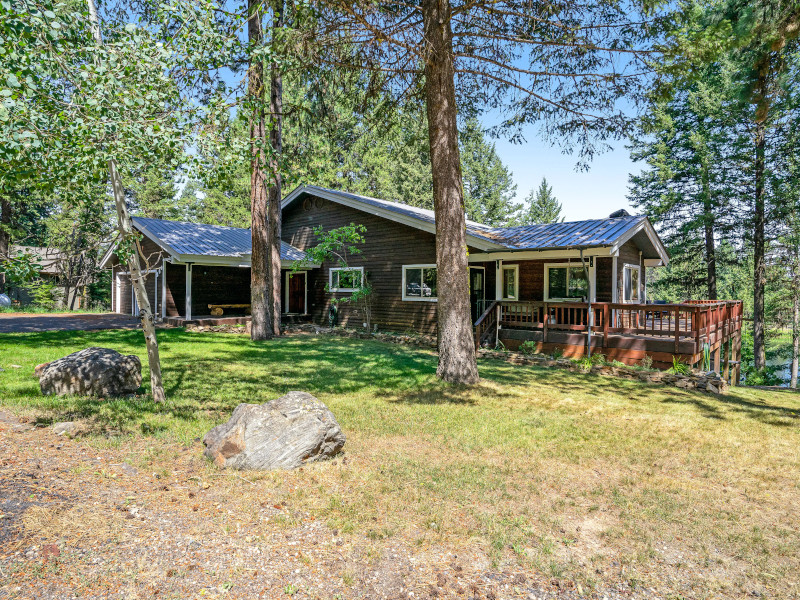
pixel 285 433
pixel 91 372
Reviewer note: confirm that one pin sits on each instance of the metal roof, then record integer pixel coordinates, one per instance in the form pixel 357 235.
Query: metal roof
pixel 551 236
pixel 574 234
pixel 207 240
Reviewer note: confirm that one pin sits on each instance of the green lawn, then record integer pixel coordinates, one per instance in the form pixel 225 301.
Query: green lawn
pixel 560 472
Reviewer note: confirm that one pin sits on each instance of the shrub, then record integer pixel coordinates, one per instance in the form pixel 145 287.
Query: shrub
pixel 557 353
pixel 647 362
pixel 45 294
pixel 679 367
pixel 598 359
pixel 528 348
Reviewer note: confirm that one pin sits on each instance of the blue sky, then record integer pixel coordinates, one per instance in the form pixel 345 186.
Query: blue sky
pixel 583 195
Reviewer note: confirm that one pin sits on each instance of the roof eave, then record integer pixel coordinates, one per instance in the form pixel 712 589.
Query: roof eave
pixel 652 235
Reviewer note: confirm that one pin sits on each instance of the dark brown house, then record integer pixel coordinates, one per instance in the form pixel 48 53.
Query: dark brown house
pixel 561 285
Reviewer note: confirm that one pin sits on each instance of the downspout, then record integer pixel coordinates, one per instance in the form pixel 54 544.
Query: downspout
pixel 590 314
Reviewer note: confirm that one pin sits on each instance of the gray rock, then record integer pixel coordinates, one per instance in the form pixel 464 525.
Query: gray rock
pixel 91 372
pixel 68 428
pixel 285 433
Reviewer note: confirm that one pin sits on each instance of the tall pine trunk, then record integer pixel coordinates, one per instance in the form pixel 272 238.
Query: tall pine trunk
pixel 5 236
pixel 125 226
pixel 708 230
pixel 759 271
pixel 276 143
pixel 457 362
pixel 260 269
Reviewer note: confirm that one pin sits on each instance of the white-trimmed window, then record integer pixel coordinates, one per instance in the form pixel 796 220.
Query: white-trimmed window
pixel 566 281
pixel 509 278
pixel 631 283
pixel 419 283
pixel 345 279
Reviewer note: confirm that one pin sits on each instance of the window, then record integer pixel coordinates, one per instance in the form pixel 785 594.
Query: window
pixel 511 282
pixel 347 279
pixel 630 283
pixel 419 282
pixel 566 281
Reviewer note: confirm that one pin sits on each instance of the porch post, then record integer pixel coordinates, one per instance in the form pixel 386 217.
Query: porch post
pixel 614 282
pixel 163 290
pixel 614 288
pixel 498 280
pixel 188 310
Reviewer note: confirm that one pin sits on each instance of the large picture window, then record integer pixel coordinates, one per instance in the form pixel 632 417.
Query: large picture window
pixel 510 282
pixel 345 279
pixel 631 283
pixel 566 282
pixel 419 282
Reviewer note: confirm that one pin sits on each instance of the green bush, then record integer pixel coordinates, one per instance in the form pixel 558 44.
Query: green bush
pixel 679 367
pixel 45 295
pixel 528 348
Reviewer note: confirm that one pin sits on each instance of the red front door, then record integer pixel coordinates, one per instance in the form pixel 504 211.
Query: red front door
pixel 297 293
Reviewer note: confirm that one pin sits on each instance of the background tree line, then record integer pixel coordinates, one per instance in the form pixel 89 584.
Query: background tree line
pixel 718 141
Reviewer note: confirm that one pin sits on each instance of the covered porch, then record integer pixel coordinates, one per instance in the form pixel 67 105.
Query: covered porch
pixel 211 294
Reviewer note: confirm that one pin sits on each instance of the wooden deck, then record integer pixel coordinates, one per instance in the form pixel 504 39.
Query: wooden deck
pixel 624 332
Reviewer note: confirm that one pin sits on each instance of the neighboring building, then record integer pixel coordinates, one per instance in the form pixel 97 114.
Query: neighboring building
pixel 535 276
pixel 48 260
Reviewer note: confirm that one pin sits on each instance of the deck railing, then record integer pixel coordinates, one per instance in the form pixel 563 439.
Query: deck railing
pixel 486 324
pixel 698 321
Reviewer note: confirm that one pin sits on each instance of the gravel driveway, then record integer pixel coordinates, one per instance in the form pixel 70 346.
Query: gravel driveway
pixel 27 323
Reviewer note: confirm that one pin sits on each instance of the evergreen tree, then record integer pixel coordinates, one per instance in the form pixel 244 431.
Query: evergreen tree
pixel 695 151
pixel 489 187
pixel 542 206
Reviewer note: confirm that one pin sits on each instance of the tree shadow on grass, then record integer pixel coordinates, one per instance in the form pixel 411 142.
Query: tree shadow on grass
pixel 207 375
pixel 711 406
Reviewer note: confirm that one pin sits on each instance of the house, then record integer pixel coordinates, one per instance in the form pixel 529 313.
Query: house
pixel 51 266
pixel 534 283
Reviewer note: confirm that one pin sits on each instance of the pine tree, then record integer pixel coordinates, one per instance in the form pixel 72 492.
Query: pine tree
pixel 489 186
pixel 543 206
pixel 693 147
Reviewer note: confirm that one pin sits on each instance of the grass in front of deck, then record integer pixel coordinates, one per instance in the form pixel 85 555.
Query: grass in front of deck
pixel 573 475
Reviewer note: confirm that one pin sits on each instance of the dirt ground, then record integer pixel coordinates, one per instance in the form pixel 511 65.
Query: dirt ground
pixel 80 520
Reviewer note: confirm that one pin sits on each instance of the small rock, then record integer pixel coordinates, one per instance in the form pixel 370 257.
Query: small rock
pixel 128 470
pixel 68 428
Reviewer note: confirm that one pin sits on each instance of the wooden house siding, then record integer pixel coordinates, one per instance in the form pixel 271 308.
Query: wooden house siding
pixel 388 246
pixel 604 269
pixel 176 289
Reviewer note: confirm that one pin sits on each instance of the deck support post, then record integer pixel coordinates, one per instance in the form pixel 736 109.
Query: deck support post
pixel 726 363
pixel 188 310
